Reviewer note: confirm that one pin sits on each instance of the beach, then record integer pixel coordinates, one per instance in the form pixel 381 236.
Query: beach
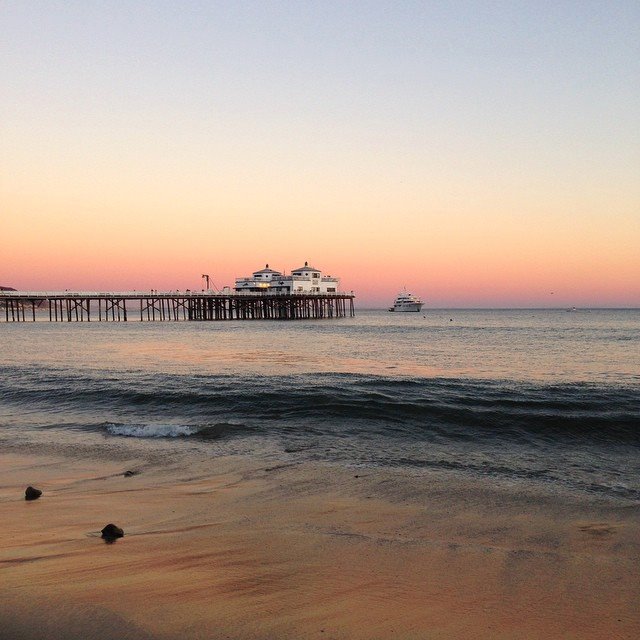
pixel 232 548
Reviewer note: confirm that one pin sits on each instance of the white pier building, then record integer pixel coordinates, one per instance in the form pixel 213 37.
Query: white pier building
pixel 303 280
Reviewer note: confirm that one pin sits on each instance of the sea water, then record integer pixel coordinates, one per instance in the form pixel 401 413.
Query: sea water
pixel 536 397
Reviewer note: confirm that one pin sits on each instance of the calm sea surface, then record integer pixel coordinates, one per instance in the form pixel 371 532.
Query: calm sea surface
pixel 530 396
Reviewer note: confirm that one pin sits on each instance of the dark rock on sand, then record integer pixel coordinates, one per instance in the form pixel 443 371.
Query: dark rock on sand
pixel 111 532
pixel 32 494
pixel 129 473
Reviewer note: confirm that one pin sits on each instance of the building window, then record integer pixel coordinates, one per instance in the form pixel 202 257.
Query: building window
pixel 316 275
pixel 331 289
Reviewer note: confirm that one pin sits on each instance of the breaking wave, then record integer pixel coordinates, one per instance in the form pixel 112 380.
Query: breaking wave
pixel 150 430
pixel 160 430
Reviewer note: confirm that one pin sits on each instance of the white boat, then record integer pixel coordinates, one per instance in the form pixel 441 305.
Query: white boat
pixel 406 302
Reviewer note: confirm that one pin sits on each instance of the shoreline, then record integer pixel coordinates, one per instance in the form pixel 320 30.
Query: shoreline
pixel 235 548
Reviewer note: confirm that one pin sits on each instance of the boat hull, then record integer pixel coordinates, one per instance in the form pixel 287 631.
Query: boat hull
pixel 407 308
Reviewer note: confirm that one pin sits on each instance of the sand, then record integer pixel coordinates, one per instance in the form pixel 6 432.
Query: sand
pixel 235 548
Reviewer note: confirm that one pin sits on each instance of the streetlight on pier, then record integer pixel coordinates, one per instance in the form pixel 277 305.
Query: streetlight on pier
pixel 205 277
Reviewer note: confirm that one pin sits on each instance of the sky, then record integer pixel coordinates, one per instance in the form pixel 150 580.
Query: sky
pixel 480 154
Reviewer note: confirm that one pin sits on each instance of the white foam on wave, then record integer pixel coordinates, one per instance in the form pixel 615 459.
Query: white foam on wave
pixel 151 430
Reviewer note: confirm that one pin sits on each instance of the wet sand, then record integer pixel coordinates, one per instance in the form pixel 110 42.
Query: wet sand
pixel 235 548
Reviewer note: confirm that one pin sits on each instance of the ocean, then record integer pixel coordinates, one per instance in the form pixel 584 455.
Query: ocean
pixel 531 398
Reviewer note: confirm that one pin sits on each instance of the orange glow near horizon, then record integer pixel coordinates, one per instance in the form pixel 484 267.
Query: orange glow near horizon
pixel 474 258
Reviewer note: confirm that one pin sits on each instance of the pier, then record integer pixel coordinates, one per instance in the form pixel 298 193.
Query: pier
pixel 154 306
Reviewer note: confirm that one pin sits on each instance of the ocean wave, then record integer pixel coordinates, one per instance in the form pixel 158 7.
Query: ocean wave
pixel 436 408
pixel 583 436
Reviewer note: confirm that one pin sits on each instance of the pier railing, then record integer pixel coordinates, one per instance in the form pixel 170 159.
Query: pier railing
pixel 152 305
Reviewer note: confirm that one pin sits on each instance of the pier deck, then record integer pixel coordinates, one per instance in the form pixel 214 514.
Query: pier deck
pixel 23 306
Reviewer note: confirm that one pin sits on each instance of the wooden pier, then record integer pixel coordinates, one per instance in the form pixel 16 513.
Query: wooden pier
pixel 24 306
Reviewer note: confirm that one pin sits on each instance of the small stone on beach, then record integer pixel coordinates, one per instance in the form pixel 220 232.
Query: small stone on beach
pixel 32 494
pixel 111 532
pixel 128 474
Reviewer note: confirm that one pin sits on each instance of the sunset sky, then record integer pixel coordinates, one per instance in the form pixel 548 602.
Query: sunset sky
pixel 481 153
